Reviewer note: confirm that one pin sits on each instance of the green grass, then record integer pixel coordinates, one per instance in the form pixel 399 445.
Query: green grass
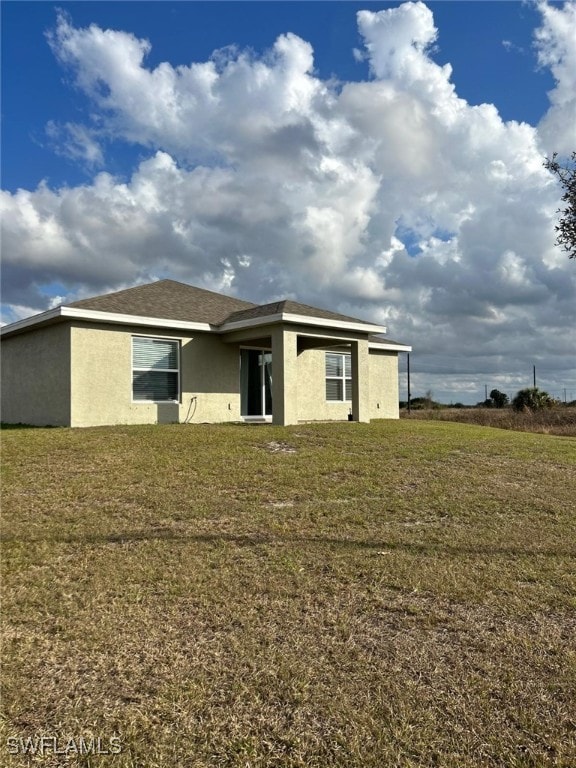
pixel 394 594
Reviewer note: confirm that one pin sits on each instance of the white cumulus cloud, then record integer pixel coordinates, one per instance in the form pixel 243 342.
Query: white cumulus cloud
pixel 555 42
pixel 391 198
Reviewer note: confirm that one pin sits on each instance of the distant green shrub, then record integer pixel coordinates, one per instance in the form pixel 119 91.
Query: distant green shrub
pixel 498 399
pixel 532 399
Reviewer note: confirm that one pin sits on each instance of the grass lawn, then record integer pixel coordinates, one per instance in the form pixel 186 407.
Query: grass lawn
pixel 394 594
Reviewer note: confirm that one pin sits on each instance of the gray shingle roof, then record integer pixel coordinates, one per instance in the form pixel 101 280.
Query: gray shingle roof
pixel 171 300
pixel 289 307
pixel 374 338
pixel 167 299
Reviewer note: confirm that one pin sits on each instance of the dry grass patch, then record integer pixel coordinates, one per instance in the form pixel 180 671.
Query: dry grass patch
pixel 559 420
pixel 393 594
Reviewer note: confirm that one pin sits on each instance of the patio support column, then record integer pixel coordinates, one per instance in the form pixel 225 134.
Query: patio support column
pixel 360 381
pixel 284 377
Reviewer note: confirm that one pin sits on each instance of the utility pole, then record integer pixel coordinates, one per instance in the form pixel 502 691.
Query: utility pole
pixel 534 375
pixel 485 392
pixel 408 356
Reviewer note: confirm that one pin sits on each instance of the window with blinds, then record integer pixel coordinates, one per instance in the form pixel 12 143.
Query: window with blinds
pixel 338 377
pixel 155 369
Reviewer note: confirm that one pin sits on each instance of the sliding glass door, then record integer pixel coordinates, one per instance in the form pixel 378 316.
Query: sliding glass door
pixel 256 382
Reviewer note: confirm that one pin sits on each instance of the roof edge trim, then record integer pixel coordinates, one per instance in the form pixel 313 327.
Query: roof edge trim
pixel 122 319
pixel 288 317
pixel 390 347
pixel 73 313
pixel 26 322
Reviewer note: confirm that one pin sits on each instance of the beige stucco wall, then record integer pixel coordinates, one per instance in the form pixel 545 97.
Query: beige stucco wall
pixel 383 387
pixel 35 386
pixel 312 403
pixel 284 376
pixel 81 375
pixel 102 378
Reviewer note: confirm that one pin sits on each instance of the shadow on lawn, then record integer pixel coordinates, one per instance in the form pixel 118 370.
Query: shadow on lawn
pixel 257 539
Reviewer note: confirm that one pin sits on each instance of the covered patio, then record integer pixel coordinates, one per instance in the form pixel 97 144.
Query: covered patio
pixel 271 385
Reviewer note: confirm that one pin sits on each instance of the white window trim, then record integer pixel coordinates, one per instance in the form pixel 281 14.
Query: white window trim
pixel 344 378
pixel 166 370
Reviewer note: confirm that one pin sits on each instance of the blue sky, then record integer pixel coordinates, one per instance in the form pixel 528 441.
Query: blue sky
pixel 489 43
pixel 371 180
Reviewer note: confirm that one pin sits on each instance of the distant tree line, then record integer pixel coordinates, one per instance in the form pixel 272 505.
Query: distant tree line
pixel 529 399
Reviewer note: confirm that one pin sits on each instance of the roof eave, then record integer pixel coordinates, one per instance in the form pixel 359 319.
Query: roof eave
pixel 73 313
pixel 390 347
pixel 116 318
pixel 30 322
pixel 288 317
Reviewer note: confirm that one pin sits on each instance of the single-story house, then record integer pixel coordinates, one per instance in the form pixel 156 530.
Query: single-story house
pixel 170 352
